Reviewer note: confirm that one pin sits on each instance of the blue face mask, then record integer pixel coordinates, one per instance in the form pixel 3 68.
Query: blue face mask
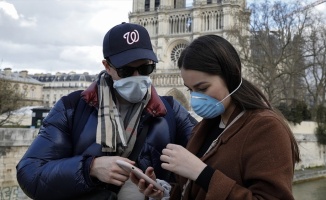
pixel 206 106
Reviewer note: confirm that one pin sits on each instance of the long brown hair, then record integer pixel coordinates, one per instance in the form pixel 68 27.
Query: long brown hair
pixel 213 54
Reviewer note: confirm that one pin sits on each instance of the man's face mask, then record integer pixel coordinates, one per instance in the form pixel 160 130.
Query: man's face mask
pixel 133 88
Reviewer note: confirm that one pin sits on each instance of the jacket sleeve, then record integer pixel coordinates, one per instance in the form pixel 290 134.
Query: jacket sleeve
pixel 48 170
pixel 266 162
pixel 184 122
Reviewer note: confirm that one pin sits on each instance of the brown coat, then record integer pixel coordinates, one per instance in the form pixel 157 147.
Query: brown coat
pixel 253 159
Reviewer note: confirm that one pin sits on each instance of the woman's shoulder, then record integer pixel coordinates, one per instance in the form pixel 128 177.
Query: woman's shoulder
pixel 266 117
pixel 265 113
pixel 258 117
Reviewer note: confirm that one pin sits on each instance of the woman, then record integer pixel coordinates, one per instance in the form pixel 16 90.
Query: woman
pixel 242 149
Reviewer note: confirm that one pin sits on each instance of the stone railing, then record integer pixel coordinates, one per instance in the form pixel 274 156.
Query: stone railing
pixel 309 174
pixel 14 142
pixel 167 79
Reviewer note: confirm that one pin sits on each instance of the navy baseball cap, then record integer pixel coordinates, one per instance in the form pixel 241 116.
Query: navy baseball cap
pixel 127 42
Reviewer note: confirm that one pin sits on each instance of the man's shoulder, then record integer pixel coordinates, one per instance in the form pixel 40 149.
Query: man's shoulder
pixel 71 99
pixel 169 99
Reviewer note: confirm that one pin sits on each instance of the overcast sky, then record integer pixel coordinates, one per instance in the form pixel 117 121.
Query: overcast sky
pixel 49 36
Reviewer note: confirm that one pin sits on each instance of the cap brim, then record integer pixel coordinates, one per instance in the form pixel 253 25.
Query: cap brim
pixel 131 55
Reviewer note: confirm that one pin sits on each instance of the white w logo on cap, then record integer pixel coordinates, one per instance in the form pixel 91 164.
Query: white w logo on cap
pixel 131 37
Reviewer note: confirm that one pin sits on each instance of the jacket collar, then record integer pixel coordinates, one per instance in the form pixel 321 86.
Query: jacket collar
pixel 202 128
pixel 154 107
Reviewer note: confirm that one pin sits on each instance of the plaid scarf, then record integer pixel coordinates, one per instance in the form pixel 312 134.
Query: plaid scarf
pixel 111 133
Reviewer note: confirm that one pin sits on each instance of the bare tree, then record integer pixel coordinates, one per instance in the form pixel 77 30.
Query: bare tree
pixel 10 100
pixel 315 73
pixel 271 48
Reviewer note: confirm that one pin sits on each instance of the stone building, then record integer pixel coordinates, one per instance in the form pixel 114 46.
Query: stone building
pixel 60 84
pixel 23 83
pixel 172 25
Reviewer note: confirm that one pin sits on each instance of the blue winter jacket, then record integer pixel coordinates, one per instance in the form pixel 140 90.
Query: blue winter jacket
pixel 57 164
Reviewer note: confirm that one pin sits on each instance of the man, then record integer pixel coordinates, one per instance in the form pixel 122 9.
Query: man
pixel 119 117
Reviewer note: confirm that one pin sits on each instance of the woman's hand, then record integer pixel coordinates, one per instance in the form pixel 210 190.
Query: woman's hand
pixel 179 160
pixel 147 189
pixel 106 169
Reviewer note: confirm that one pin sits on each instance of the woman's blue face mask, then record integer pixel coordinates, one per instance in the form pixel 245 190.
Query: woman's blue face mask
pixel 206 106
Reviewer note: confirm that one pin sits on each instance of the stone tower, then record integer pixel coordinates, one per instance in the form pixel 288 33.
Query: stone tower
pixel 172 25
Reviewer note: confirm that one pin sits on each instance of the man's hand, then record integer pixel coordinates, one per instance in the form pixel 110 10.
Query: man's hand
pixel 106 170
pixel 147 189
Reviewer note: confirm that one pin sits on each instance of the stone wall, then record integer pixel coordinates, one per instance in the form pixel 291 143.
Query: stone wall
pixel 14 143
pixel 312 154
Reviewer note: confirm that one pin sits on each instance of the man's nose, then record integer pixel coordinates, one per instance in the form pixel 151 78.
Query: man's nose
pixel 136 73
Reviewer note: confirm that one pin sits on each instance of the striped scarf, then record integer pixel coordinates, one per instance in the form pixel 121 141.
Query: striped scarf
pixel 111 133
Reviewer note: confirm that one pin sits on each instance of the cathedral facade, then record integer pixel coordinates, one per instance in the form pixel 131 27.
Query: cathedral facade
pixel 172 25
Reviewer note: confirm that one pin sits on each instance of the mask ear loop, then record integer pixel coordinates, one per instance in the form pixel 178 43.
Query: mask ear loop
pixel 224 97
pixel 232 91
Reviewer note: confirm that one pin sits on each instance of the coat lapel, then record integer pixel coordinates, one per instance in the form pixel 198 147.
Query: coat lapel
pixel 228 134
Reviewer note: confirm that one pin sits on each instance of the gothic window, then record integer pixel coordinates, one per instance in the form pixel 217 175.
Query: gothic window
pixel 207 21
pixel 157 4
pixel 180 23
pixel 179 3
pixel 176 51
pixel 209 1
pixel 151 24
pixel 212 20
pixel 147 5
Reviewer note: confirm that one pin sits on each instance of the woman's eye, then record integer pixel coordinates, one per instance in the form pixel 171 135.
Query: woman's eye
pixel 202 89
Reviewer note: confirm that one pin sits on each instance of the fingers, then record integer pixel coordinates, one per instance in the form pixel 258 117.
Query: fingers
pixel 170 146
pixel 141 185
pixel 170 153
pixel 172 156
pixel 150 172
pixel 116 176
pixel 116 169
pixel 107 170
pixel 119 181
pixel 134 178
pixel 120 177
pixel 165 159
pixel 167 152
pixel 149 190
pixel 126 159
pixel 172 149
